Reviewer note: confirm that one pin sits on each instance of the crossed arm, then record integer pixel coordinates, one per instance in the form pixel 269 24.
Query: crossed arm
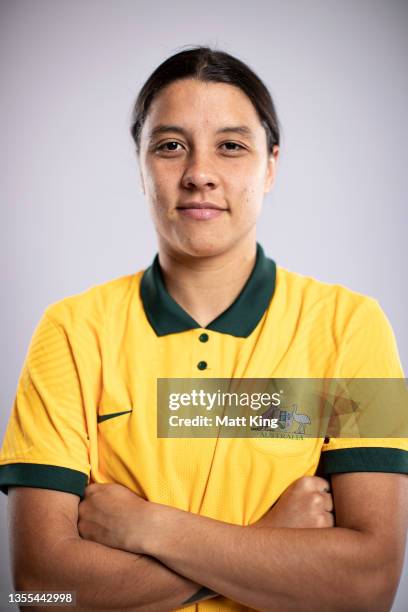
pixel 47 553
pixel 156 557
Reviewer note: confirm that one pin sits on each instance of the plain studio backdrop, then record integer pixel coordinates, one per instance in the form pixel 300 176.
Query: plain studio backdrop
pixel 73 214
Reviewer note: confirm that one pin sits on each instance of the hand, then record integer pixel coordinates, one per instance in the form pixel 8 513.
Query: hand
pixel 112 514
pixel 307 502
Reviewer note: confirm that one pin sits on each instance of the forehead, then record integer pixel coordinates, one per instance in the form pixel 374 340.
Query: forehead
pixel 190 102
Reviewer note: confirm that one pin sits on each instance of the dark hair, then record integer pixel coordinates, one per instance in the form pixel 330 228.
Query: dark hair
pixel 208 65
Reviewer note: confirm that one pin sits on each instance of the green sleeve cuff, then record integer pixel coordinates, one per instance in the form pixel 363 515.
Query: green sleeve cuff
pixel 365 459
pixel 201 594
pixel 43 477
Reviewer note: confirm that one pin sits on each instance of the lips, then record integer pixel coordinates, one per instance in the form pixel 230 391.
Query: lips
pixel 200 211
pixel 200 205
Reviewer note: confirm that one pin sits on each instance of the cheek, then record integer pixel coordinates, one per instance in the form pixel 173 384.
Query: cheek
pixel 156 188
pixel 159 195
pixel 249 201
pixel 159 179
pixel 247 182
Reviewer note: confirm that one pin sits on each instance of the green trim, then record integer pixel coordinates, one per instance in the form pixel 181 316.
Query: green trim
pixel 203 593
pixel 240 319
pixel 162 311
pixel 42 476
pixel 365 459
pixel 105 417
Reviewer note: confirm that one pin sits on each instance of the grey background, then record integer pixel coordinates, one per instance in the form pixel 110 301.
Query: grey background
pixel 72 211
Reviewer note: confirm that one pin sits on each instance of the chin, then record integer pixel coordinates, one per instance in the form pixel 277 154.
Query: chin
pixel 204 246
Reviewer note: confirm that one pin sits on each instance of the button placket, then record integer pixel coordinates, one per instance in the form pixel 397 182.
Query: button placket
pixel 202 353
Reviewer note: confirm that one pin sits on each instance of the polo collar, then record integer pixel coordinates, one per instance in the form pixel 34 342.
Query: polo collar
pixel 166 316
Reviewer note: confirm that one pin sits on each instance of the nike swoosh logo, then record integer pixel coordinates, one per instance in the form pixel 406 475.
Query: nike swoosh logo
pixel 112 415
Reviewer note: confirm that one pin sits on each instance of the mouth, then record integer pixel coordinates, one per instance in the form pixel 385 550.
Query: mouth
pixel 200 210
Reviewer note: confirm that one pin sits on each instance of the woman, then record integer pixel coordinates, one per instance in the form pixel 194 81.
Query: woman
pixel 167 522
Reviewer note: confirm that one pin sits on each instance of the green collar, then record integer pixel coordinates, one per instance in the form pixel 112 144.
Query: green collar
pixel 240 319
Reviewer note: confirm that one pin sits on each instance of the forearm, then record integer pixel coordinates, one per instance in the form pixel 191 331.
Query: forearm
pixel 106 578
pixel 272 569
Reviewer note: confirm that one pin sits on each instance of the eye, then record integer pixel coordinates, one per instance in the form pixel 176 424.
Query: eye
pixel 168 147
pixel 232 147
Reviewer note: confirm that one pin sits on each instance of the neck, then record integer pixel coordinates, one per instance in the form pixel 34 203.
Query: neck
pixel 206 286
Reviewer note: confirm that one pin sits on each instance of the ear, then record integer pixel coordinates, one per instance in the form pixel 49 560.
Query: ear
pixel 271 169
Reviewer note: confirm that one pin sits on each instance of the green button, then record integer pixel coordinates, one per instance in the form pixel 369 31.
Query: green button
pixel 203 337
pixel 201 365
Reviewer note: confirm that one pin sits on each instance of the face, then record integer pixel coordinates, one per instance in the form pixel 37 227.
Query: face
pixel 204 166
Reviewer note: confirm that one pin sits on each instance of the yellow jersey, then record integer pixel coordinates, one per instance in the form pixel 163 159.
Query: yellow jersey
pixel 85 407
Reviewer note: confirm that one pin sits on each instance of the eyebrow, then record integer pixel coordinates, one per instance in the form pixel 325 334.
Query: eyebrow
pixel 162 128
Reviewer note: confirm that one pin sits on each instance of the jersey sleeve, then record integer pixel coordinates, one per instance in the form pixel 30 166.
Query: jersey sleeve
pixel 369 350
pixel 46 443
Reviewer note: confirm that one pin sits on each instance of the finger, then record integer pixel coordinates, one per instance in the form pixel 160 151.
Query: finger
pixel 93 487
pixel 327 501
pixel 329 519
pixel 317 483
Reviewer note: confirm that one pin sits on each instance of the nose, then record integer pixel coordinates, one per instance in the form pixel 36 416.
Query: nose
pixel 199 173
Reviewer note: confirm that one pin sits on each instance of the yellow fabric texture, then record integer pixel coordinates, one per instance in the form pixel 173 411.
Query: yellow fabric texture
pixel 95 353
